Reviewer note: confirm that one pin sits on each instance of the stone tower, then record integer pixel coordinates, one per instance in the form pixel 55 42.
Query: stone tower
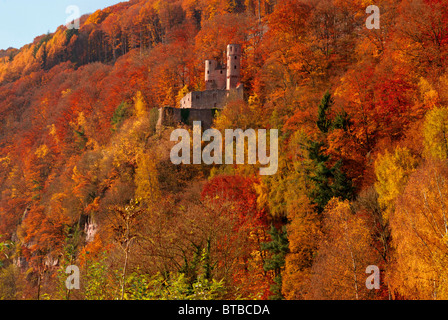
pixel 233 65
pixel 215 76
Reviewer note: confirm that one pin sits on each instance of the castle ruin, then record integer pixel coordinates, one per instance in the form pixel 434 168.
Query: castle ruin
pixel 221 81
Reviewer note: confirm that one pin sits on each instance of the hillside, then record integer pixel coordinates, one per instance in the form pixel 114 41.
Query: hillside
pixel 86 177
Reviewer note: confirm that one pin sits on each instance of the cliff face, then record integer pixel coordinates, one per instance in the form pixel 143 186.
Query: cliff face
pixel 90 230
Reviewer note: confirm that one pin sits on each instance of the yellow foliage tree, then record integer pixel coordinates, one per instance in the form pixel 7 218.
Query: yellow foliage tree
pixel 344 254
pixel 181 94
pixel 303 234
pixel 139 105
pixel 429 96
pixel 146 179
pixel 419 228
pixel 436 133
pixel 392 171
pixel 285 194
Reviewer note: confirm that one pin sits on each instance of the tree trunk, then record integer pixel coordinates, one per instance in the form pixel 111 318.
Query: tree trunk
pixel 123 277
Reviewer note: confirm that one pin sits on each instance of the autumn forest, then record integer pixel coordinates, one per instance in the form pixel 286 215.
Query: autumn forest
pixel 362 114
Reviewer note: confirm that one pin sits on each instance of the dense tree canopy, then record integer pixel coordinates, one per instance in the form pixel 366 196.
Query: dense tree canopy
pixel 86 176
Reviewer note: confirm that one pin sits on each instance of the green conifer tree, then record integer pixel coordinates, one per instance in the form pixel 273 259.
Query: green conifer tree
pixel 278 247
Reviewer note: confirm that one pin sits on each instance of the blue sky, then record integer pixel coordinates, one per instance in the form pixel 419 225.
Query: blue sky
pixel 23 20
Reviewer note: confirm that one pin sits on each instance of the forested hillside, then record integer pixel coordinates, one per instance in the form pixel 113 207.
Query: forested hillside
pixel 86 177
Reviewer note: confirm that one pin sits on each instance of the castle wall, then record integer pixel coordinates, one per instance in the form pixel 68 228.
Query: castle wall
pixel 174 116
pixel 208 99
pixel 220 78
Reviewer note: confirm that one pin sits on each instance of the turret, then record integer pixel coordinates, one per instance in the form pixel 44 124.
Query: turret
pixel 233 65
pixel 210 67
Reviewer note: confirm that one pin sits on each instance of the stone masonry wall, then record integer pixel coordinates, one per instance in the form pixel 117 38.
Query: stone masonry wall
pixel 208 99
